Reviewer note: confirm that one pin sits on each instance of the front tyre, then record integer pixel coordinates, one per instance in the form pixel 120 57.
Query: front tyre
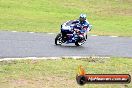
pixel 58 39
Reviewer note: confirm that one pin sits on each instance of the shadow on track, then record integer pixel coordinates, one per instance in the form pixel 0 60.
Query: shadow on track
pixel 70 46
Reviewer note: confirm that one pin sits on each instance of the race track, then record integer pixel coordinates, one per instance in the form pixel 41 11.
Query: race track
pixel 23 44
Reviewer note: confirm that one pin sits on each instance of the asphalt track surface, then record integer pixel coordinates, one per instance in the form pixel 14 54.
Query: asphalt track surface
pixel 23 44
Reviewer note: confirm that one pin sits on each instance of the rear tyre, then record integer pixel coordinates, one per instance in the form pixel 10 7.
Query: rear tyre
pixel 77 43
pixel 80 42
pixel 58 39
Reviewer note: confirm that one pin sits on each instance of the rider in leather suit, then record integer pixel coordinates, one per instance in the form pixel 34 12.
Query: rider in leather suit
pixel 82 21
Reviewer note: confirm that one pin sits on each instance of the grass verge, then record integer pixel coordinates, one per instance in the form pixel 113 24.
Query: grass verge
pixel 108 17
pixel 60 73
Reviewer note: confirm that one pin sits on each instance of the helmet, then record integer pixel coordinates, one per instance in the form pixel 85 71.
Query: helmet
pixel 82 17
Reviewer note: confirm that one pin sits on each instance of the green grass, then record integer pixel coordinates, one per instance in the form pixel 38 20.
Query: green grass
pixel 60 73
pixel 108 17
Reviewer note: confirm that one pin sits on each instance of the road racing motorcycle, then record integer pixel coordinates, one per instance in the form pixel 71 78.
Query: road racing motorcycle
pixel 72 33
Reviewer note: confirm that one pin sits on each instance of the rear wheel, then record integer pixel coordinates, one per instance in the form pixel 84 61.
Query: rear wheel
pixel 58 39
pixel 77 44
pixel 80 42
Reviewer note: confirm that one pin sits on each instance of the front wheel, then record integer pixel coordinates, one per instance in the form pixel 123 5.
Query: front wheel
pixel 58 39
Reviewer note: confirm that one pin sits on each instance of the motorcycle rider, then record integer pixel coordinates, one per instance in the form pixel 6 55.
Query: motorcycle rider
pixel 81 22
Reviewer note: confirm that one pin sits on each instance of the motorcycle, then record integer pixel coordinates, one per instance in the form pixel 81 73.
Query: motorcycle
pixel 71 33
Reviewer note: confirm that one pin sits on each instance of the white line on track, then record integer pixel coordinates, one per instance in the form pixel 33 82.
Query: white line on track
pixel 114 36
pixel 31 32
pixel 54 33
pixel 13 31
pixel 55 58
pixel 94 35
pixel 51 33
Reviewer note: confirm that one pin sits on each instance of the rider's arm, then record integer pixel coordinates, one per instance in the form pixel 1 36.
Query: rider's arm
pixel 88 26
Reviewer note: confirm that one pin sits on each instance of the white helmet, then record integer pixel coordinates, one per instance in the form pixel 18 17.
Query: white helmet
pixel 82 17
